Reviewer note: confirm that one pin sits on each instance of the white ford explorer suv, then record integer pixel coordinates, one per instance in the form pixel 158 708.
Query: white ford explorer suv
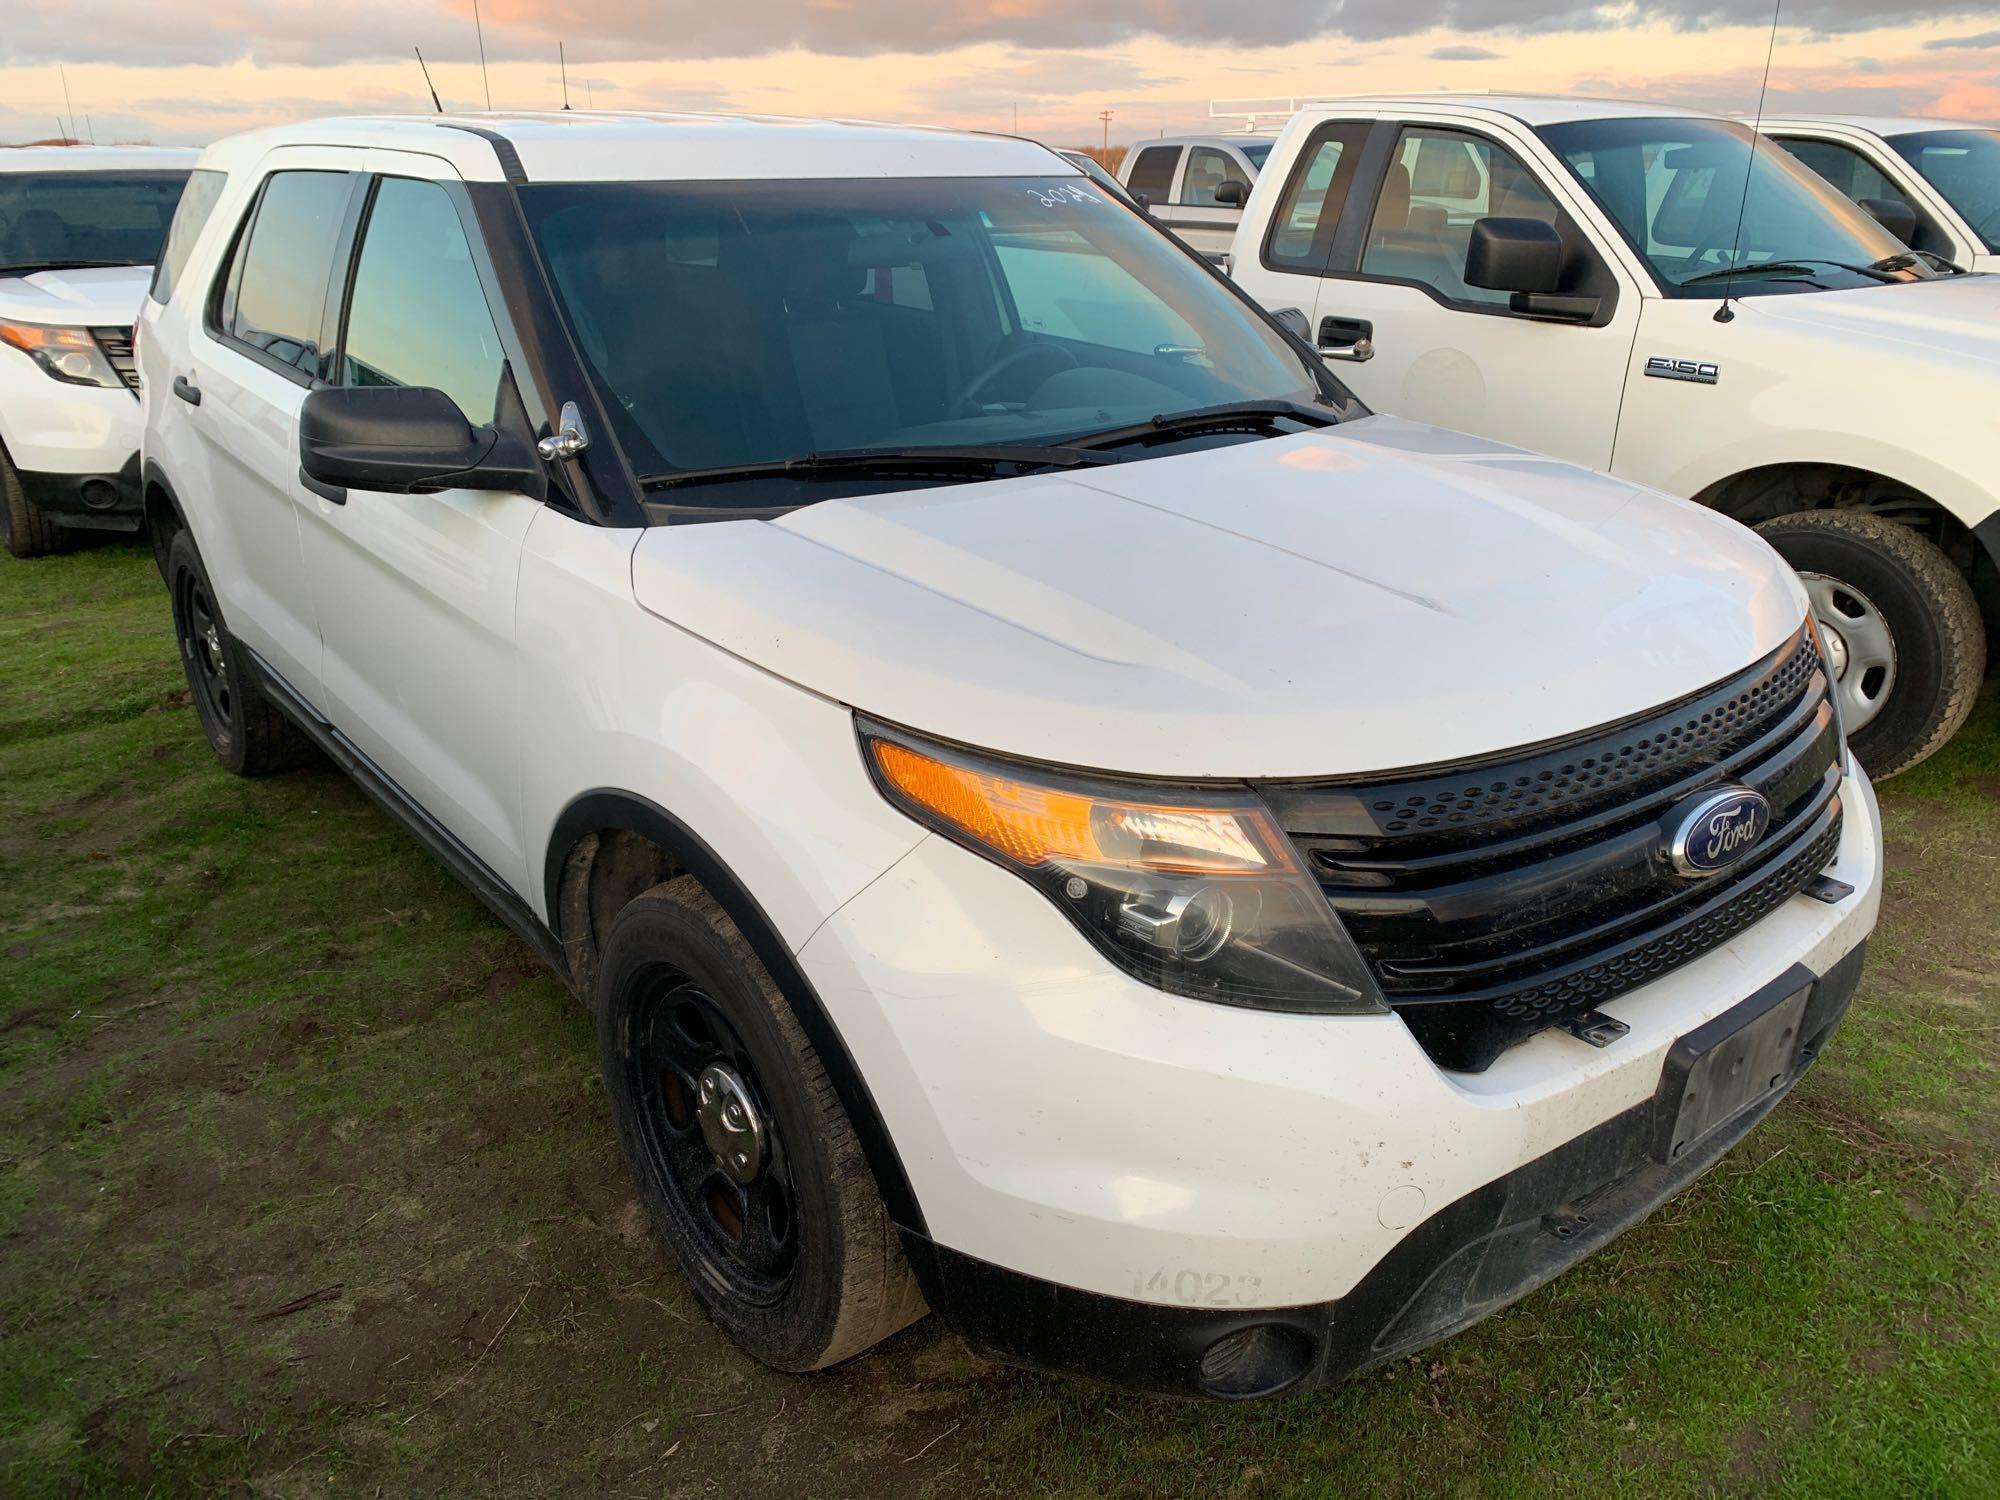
pixel 79 229
pixel 1586 278
pixel 1059 814
pixel 1936 184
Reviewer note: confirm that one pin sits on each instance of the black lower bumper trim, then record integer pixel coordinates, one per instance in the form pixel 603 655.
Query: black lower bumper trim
pixel 1465 1262
pixel 100 501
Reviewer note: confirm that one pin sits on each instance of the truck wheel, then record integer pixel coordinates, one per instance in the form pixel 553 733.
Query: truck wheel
pixel 740 1149
pixel 24 527
pixel 249 734
pixel 1907 645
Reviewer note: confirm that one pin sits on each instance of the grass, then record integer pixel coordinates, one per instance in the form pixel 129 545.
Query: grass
pixel 307 1186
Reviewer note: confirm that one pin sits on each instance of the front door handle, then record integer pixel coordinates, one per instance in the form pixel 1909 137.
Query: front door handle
pixel 187 390
pixel 1347 338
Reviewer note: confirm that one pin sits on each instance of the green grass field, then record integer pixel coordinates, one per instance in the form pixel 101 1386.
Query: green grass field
pixel 307 1186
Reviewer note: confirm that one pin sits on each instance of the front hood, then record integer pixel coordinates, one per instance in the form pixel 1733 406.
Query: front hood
pixel 1375 596
pixel 1952 316
pixel 87 297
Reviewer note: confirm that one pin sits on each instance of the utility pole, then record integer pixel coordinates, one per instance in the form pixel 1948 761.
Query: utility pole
pixel 1105 116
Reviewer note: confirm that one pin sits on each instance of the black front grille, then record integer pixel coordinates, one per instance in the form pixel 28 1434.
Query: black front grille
pixel 117 346
pixel 1497 899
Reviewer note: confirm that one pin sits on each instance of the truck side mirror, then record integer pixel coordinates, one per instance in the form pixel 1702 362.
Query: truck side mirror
pixel 1232 194
pixel 1893 215
pixel 406 440
pixel 1514 255
pixel 1145 202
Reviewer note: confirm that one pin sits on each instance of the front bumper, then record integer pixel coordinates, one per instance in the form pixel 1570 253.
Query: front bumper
pixel 107 501
pixel 1111 1177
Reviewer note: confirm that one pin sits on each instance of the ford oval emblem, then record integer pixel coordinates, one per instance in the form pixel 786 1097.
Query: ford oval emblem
pixel 1711 833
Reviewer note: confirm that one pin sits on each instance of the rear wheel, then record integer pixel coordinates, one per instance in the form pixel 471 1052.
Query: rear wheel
pixel 25 528
pixel 1906 645
pixel 740 1149
pixel 249 734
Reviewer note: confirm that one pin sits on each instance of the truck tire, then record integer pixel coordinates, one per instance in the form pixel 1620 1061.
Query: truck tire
pixel 740 1150
pixel 249 734
pixel 25 528
pixel 1902 626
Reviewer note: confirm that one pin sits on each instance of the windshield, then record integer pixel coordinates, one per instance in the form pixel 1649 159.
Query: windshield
pixel 1675 188
pixel 85 218
pixel 739 323
pixel 1963 165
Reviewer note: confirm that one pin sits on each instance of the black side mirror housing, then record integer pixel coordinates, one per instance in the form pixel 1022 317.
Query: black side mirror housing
pixel 1145 202
pixel 1514 255
pixel 1294 321
pixel 408 440
pixel 1893 215
pixel 1232 194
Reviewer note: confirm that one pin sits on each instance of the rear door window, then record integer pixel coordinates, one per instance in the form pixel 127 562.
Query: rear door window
pixel 274 300
pixel 1153 172
pixel 1301 236
pixel 190 218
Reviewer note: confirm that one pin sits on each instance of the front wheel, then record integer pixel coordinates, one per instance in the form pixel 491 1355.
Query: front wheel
pixel 1905 643
pixel 25 528
pixel 738 1144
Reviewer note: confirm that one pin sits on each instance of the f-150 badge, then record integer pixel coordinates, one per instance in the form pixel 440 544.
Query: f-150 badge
pixel 1682 369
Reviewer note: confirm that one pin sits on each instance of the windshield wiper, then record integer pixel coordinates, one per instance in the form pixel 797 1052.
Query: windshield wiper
pixel 19 267
pixel 860 462
pixel 1904 260
pixel 1209 418
pixel 1801 266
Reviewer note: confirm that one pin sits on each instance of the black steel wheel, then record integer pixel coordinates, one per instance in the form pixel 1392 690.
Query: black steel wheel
pixel 740 1150
pixel 247 732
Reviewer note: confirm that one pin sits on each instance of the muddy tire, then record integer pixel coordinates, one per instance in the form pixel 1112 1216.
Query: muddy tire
pixel 25 528
pixel 249 734
pixel 741 1152
pixel 1901 623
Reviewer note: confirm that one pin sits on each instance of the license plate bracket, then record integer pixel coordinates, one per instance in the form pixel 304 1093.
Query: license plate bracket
pixel 1720 1069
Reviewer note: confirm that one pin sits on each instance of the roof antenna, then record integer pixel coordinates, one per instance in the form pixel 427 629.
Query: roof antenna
pixel 480 31
pixel 63 73
pixel 427 79
pixel 1725 313
pixel 563 63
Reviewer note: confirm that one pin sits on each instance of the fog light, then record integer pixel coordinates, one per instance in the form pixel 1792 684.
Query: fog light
pixel 1260 1360
pixel 100 494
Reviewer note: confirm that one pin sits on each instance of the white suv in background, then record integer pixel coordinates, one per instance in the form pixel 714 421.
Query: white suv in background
pixel 1935 183
pixel 1058 813
pixel 80 227
pixel 1566 274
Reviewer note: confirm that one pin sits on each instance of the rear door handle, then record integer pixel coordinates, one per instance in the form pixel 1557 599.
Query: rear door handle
pixel 187 390
pixel 1347 338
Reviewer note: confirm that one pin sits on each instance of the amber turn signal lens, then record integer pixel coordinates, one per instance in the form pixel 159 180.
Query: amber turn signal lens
pixel 1032 825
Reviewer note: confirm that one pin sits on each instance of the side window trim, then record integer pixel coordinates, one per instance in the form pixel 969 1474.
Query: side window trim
pixel 1366 190
pixel 230 276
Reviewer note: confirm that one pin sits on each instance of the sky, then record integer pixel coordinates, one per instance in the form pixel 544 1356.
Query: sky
pixel 138 70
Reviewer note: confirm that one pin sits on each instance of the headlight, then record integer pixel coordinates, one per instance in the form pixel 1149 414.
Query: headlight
pixel 69 354
pixel 1194 890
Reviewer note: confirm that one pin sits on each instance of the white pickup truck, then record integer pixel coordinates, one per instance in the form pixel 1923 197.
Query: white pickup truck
pixel 1589 279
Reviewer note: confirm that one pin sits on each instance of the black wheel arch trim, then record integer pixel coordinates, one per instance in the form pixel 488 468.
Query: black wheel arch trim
pixel 606 808
pixel 1987 534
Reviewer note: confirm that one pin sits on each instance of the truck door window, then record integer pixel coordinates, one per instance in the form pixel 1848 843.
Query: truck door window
pixel 1301 237
pixel 274 302
pixel 1439 184
pixel 1207 170
pixel 1153 172
pixel 417 314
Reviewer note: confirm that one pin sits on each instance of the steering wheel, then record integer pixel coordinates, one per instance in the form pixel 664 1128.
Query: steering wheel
pixel 966 402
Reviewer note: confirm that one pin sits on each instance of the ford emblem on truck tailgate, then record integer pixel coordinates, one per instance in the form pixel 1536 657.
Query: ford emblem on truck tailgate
pixel 1711 833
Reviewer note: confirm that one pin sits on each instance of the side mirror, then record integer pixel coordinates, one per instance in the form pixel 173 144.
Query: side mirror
pixel 1145 202
pixel 407 440
pixel 1514 255
pixel 1893 215
pixel 1232 194
pixel 1294 321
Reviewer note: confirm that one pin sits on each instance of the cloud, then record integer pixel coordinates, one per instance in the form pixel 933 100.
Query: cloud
pixel 1461 54
pixel 313 32
pixel 1983 39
